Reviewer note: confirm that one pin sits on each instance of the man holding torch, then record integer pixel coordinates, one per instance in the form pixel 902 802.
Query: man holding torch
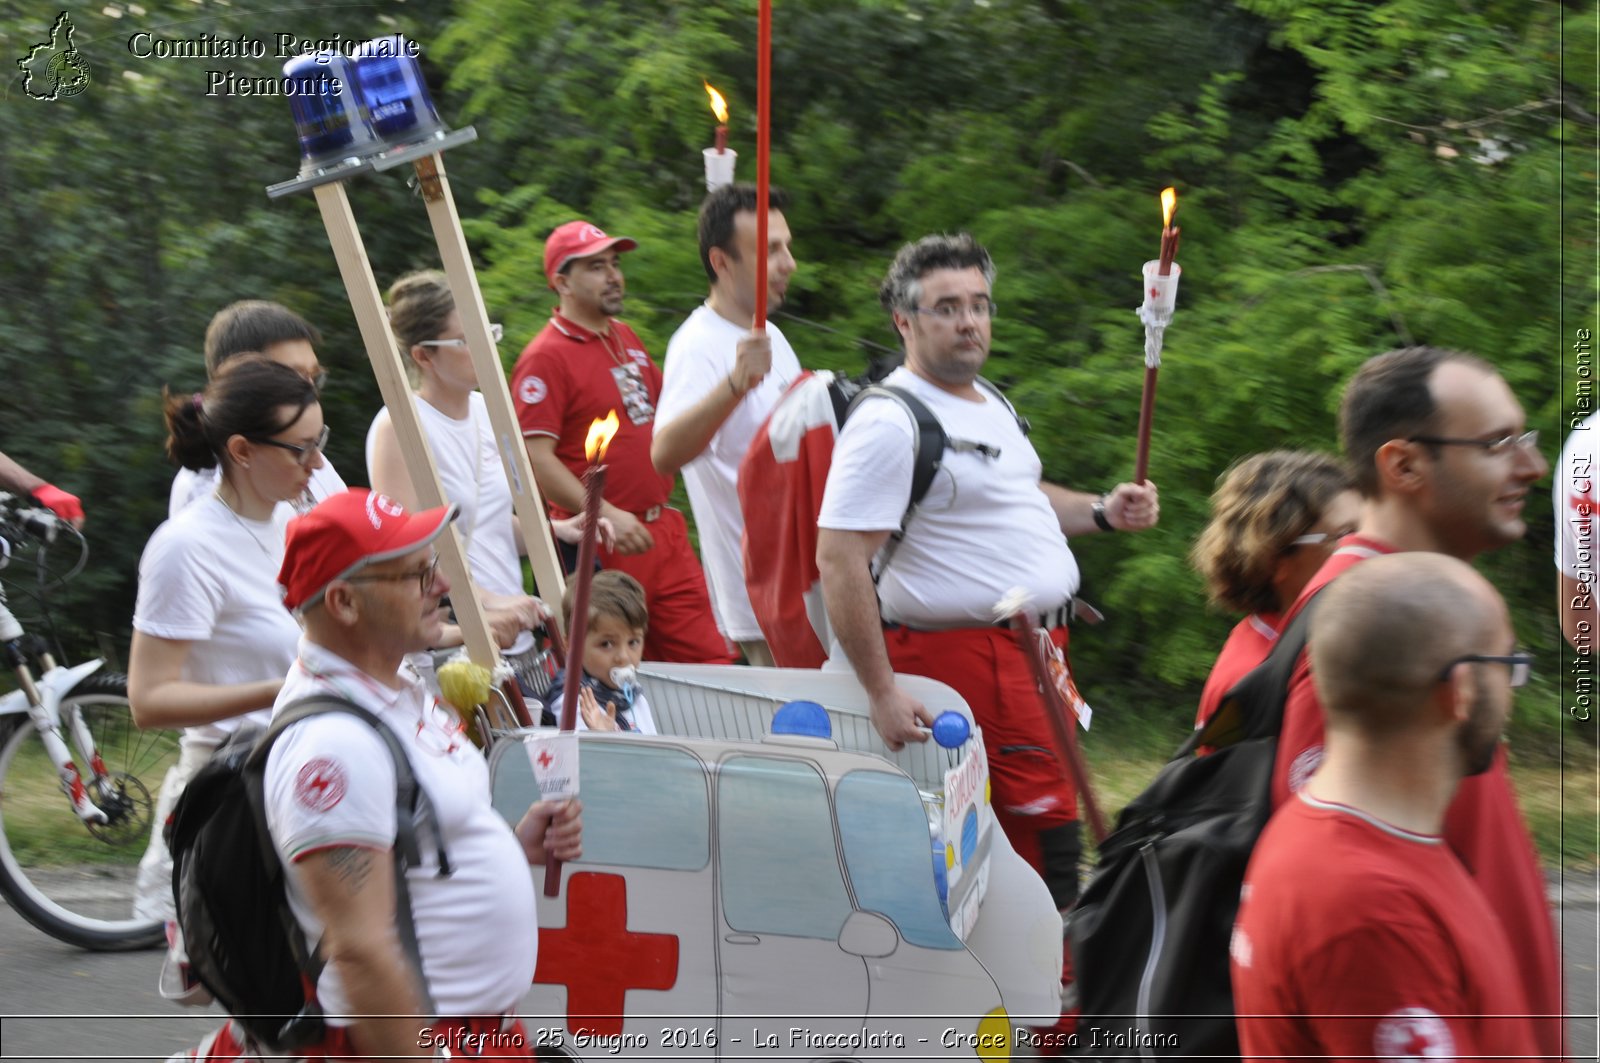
pixel 722 379
pixel 919 596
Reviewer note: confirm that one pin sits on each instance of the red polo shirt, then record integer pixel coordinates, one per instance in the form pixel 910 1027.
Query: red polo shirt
pixel 1356 939
pixel 1483 827
pixel 569 376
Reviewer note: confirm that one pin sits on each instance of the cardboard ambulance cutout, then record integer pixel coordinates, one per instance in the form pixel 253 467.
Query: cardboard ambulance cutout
pixel 745 894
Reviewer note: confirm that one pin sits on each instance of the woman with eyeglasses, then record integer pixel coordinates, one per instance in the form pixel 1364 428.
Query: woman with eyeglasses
pixel 255 326
pixel 1275 518
pixel 428 331
pixel 212 641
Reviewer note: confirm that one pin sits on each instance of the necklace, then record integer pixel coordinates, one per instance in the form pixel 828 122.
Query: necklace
pixel 617 353
pixel 270 556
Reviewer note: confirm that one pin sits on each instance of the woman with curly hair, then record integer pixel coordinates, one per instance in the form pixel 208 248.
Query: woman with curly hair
pixel 1275 518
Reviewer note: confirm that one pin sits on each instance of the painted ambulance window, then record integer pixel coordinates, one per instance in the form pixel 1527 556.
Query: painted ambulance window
pixel 887 850
pixel 780 869
pixel 643 805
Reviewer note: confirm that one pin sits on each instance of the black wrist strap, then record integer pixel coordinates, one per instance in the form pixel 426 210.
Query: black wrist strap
pixel 1098 511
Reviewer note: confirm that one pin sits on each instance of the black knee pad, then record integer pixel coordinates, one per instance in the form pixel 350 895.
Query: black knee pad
pixel 1060 848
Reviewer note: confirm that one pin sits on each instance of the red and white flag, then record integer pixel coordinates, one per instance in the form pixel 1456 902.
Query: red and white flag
pixel 781 481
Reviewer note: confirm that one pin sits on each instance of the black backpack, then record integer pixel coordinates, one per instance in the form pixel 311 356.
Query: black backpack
pixel 1150 934
pixel 244 943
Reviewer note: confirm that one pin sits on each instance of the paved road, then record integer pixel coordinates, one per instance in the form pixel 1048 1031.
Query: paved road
pixel 103 1006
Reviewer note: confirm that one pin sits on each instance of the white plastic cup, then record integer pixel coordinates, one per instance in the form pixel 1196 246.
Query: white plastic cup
pixel 719 167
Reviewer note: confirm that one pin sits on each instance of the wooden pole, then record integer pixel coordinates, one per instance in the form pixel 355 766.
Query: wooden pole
pixel 1147 414
pixel 530 509
pixel 367 303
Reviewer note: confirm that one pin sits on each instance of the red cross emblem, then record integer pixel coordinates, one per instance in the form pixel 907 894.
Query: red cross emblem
pixel 1413 1033
pixel 598 958
pixel 545 759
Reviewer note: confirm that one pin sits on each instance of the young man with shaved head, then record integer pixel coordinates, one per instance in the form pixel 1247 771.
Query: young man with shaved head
pixel 1360 933
pixel 1440 450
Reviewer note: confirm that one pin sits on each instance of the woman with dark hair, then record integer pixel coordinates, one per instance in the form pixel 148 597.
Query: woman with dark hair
pixel 212 640
pixel 1275 518
pixel 427 329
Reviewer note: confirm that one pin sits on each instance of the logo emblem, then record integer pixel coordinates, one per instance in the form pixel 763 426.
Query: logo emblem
pixel 1303 766
pixel 1413 1033
pixel 380 506
pixel 592 232
pixel 55 69
pixel 532 391
pixel 320 785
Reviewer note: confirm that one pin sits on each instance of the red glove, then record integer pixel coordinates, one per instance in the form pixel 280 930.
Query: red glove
pixel 63 505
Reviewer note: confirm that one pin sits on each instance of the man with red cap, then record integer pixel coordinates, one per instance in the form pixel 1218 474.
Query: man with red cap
pixel 363 577
pixel 581 366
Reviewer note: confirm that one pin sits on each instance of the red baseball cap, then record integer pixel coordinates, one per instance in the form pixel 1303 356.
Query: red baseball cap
pixel 578 239
pixel 346 532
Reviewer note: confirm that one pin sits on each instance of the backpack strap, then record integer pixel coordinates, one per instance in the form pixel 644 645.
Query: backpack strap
pixel 1254 707
pixel 928 447
pixel 412 808
pixel 1022 422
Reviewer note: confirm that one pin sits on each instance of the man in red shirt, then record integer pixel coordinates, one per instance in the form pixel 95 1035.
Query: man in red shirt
pixel 581 366
pixel 1439 449
pixel 1360 934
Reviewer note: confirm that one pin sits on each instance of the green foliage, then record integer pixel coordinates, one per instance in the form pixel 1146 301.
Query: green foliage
pixel 1354 176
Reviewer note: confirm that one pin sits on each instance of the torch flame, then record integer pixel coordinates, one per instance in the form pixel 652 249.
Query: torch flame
pixel 601 429
pixel 1169 206
pixel 719 106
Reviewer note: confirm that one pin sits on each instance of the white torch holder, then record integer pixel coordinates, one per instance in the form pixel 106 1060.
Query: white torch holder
pixel 1160 293
pixel 1160 298
pixel 719 167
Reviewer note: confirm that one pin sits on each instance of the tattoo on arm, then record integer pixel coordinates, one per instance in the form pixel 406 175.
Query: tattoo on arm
pixel 351 866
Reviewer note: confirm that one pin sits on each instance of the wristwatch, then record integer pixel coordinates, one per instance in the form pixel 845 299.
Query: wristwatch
pixel 1098 510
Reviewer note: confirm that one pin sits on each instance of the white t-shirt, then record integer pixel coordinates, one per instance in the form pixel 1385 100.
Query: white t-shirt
pixel 984 527
pixel 699 358
pixel 189 485
pixel 1575 500
pixel 210 577
pixel 474 479
pixel 330 782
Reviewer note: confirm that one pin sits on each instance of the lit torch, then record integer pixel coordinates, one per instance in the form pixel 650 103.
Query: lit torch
pixel 1160 297
pixel 719 160
pixel 594 480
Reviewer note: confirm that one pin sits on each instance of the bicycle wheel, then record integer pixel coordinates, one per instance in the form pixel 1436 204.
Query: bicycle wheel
pixel 75 881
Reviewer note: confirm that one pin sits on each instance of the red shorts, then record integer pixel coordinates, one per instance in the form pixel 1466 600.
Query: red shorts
pixel 1033 789
pixel 682 626
pixel 489 1037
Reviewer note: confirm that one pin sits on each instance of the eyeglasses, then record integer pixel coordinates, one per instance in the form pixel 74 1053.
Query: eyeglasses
pixel 317 379
pixel 425 577
pixel 981 310
pixel 1521 665
pixel 306 454
pixel 1503 445
pixel 497 332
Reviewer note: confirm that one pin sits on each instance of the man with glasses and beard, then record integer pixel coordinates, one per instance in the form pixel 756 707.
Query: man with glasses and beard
pixel 362 575
pixel 1360 933
pixel 1440 451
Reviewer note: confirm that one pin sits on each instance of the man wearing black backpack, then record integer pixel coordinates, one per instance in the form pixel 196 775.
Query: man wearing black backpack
pixel 1360 934
pixel 362 575
pixel 988 524
pixel 1439 448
